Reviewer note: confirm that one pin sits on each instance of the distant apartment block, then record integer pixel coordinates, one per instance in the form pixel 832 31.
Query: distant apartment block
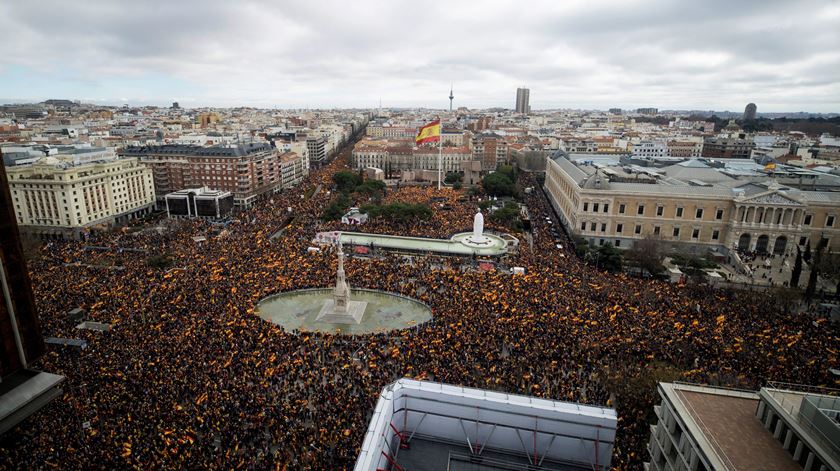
pixel 687 149
pixel 293 169
pixel 650 149
pixel 781 427
pixel 246 170
pixel 750 112
pixel 523 98
pixel 491 150
pixel 317 148
pixel 727 148
pixel 54 197
pixel 479 123
pixel 206 119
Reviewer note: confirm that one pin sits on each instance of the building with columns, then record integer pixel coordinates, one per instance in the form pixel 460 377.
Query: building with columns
pixel 56 198
pixel 694 206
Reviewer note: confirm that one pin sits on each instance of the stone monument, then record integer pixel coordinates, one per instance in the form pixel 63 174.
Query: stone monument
pixel 340 309
pixel 477 238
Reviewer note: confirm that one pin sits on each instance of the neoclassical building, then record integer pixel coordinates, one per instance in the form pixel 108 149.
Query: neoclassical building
pixel 694 205
pixel 56 198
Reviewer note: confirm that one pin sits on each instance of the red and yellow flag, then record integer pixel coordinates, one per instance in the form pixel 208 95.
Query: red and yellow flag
pixel 428 133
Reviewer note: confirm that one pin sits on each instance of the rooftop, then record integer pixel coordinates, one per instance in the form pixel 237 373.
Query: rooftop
pixel 238 150
pixel 459 428
pixel 696 177
pixel 730 428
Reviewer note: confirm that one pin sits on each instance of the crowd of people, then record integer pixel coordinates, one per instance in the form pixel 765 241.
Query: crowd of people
pixel 452 212
pixel 189 377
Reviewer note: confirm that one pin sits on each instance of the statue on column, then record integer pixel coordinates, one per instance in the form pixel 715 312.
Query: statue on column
pixel 342 289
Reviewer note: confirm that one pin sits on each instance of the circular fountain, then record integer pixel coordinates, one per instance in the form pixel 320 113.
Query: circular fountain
pixel 384 312
pixel 341 310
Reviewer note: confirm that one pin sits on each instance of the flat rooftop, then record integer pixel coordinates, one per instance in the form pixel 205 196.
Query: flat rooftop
pixel 731 427
pixel 433 455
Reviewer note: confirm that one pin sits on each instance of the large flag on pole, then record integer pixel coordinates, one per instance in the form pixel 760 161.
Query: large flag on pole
pixel 429 133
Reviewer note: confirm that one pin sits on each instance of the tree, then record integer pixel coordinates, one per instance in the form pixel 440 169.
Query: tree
pixel 507 216
pixel 398 212
pixel 336 209
pixel 372 188
pixel 815 269
pixel 797 269
pixel 829 268
pixel 346 182
pixel 453 177
pixel 609 258
pixel 498 184
pixel 647 254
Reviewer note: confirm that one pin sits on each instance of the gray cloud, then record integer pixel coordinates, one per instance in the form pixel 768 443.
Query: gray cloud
pixel 782 55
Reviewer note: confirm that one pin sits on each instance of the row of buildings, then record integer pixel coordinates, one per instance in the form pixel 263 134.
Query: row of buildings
pixel 72 167
pixel 59 196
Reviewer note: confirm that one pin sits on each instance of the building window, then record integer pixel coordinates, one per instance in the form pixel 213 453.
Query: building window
pixel 807 221
pixel 695 233
pixel 600 241
pixel 679 212
pixel 621 208
pixel 829 221
pixel 603 227
pixel 676 232
pixel 618 243
pixel 606 207
pixel 699 213
pixel 719 214
pixel 641 210
pixel 656 230
pixel 586 206
pixel 592 226
pixel 638 229
pixel 660 210
pixel 803 240
pixel 715 234
pixel 595 207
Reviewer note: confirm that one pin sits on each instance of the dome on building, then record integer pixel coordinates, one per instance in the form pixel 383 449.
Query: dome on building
pixel 596 181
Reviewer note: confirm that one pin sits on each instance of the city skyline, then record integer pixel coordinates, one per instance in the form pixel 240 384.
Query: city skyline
pixel 571 55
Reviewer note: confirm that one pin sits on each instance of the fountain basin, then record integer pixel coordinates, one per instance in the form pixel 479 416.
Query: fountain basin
pixel 298 310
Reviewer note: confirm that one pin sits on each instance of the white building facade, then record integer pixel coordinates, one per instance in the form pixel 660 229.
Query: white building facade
pixel 54 197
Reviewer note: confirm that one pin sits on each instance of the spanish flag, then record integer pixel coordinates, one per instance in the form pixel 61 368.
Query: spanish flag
pixel 428 133
pixel 770 166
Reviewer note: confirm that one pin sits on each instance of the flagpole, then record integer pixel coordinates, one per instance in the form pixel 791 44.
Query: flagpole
pixel 440 150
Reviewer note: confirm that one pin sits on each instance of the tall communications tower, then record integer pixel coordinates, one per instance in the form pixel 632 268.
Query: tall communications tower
pixel 451 97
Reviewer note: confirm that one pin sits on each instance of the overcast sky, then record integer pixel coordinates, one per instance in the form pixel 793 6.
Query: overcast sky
pixel 709 54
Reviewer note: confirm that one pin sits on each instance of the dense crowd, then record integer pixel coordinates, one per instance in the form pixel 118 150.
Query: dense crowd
pixel 189 377
pixel 452 212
